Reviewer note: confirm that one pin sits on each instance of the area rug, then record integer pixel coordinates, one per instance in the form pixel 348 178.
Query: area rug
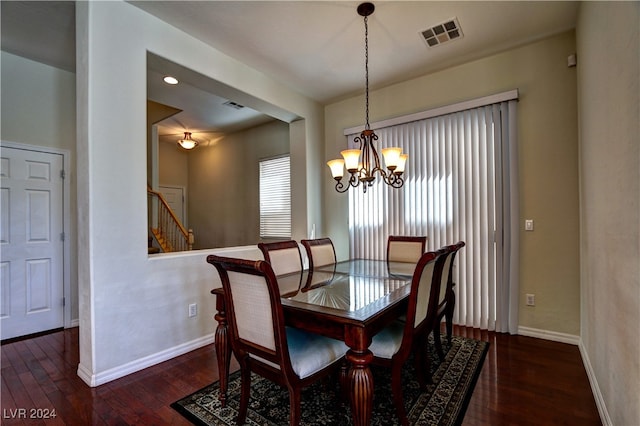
pixel 444 402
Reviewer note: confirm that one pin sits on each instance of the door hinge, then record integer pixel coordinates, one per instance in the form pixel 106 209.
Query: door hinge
pixel 64 301
pixel 62 174
pixel 62 236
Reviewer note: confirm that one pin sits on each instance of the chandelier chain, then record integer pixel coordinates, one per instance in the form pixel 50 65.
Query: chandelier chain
pixel 366 70
pixel 363 163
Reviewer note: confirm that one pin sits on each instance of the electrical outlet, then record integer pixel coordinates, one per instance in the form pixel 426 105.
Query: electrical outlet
pixel 193 310
pixel 531 300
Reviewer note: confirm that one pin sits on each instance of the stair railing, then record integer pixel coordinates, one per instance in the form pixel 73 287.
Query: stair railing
pixel 165 225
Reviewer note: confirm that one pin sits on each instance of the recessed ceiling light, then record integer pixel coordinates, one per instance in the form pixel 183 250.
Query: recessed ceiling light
pixel 170 80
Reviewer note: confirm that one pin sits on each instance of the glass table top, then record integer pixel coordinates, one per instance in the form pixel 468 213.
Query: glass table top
pixel 348 292
pixel 371 268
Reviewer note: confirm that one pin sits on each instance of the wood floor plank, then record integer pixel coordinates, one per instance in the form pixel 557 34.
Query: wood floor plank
pixel 529 381
pixel 524 381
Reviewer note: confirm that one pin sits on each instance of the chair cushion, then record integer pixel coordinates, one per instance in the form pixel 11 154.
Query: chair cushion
pixel 311 352
pixel 387 342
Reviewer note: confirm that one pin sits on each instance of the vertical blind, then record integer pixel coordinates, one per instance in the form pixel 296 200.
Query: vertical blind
pixel 460 184
pixel 275 198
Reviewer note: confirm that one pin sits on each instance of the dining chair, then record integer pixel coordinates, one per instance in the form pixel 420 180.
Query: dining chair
pixel 320 252
pixel 261 342
pixel 392 346
pixel 447 298
pixel 405 248
pixel 284 256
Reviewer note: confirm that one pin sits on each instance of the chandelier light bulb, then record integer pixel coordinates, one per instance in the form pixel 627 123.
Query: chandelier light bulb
pixel 337 168
pixel 351 159
pixel 391 156
pixel 402 161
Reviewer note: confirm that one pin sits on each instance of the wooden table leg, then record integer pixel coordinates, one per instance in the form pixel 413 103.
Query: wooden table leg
pixel 361 386
pixel 223 352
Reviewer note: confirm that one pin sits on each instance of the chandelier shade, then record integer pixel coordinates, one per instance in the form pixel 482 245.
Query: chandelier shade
pixel 363 164
pixel 186 142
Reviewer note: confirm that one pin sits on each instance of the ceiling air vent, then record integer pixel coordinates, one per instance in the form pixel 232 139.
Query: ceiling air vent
pixel 234 105
pixel 442 33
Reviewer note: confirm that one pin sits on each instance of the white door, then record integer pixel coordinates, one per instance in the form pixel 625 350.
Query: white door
pixel 32 286
pixel 175 198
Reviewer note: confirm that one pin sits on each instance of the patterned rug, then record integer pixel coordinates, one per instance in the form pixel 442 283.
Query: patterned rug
pixel 443 403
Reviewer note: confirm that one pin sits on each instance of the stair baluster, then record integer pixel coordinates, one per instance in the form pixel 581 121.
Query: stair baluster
pixel 165 226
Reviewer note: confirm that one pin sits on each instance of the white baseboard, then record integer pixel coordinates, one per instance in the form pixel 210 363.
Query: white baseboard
pixel 549 335
pixel 74 323
pixel 140 364
pixel 597 394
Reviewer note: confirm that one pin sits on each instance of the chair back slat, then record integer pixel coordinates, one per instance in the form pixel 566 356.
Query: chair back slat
pixel 323 255
pixel 424 293
pixel 444 279
pixel 425 286
pixel 320 252
pixel 252 308
pixel 405 248
pixel 446 297
pixel 284 256
pixel 285 261
pixel 454 248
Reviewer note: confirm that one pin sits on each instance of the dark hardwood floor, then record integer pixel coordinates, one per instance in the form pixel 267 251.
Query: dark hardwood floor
pixel 527 381
pixel 524 381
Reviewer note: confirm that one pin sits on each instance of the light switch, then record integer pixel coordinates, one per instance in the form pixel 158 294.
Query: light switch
pixel 528 225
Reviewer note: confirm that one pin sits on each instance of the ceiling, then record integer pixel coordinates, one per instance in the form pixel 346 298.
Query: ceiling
pixel 314 47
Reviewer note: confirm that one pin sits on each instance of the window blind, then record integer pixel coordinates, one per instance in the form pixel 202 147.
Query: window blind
pixel 460 184
pixel 275 198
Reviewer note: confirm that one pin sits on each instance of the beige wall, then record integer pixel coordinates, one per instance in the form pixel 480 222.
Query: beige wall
pixel 609 96
pixel 39 108
pixel 173 164
pixel 128 299
pixel 224 185
pixel 548 151
pixel 38 103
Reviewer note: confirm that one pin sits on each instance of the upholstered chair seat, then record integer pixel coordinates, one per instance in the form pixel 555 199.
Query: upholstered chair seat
pixel 311 352
pixel 387 342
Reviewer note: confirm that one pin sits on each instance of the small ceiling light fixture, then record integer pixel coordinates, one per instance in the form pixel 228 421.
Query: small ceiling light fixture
pixel 364 163
pixel 170 80
pixel 187 142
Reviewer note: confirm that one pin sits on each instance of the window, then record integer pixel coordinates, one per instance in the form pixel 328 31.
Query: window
pixel 275 198
pixel 459 185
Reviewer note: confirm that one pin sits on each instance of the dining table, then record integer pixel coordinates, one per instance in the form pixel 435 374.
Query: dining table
pixel 351 301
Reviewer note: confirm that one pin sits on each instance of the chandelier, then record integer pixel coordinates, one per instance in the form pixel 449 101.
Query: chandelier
pixel 363 164
pixel 187 142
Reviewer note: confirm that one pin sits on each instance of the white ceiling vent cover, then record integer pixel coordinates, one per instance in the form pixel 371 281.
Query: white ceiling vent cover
pixel 442 33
